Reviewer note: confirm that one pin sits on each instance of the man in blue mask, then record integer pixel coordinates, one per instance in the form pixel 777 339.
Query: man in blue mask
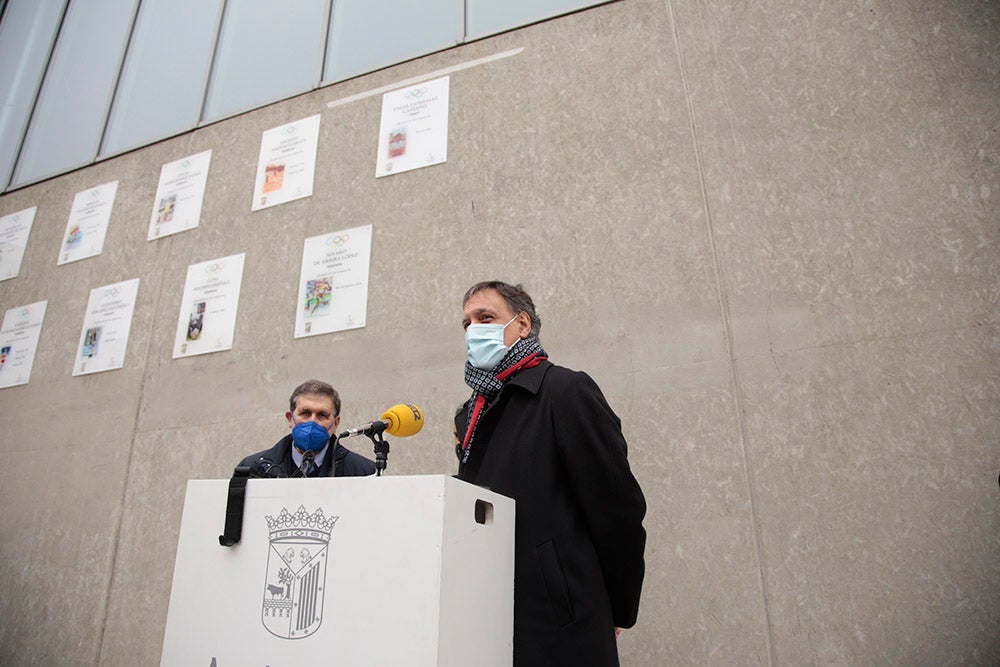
pixel 312 449
pixel 545 436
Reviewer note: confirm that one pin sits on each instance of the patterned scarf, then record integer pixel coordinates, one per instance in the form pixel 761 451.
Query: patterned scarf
pixel 486 385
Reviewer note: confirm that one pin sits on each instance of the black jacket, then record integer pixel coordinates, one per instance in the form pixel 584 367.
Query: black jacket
pixel 552 443
pixel 343 462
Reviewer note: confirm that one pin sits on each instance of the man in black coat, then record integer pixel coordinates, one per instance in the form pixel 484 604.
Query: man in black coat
pixel 545 436
pixel 312 449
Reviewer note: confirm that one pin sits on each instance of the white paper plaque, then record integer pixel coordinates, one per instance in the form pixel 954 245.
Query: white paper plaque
pixel 207 319
pixel 18 343
pixel 287 163
pixel 177 206
pixel 88 223
pixel 333 284
pixel 14 230
pixel 106 325
pixel 414 128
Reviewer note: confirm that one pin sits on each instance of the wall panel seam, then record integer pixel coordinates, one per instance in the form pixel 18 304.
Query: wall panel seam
pixel 155 310
pixel 728 333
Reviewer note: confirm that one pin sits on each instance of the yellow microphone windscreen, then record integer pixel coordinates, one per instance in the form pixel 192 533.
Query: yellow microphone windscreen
pixel 404 419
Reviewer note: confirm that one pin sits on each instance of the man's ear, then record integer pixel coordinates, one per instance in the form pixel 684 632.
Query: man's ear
pixel 288 417
pixel 524 323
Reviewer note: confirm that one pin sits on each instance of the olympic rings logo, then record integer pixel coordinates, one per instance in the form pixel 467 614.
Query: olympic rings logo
pixel 215 267
pixel 112 292
pixel 337 241
pixel 416 93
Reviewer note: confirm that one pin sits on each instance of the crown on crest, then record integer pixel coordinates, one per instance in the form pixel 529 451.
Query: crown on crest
pixel 301 521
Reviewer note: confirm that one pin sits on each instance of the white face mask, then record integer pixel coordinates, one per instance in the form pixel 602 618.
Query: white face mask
pixel 484 344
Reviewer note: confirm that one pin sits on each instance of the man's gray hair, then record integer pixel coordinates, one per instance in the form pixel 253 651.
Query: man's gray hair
pixel 518 301
pixel 319 388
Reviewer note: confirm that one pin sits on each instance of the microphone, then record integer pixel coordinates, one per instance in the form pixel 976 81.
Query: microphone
pixel 401 420
pixel 308 465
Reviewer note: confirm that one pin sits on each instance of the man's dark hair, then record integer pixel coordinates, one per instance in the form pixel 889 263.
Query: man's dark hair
pixel 517 300
pixel 315 387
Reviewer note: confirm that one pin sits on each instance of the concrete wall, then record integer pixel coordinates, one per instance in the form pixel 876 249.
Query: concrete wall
pixel 769 230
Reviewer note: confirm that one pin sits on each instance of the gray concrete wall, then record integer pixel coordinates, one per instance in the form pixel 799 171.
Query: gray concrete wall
pixel 769 231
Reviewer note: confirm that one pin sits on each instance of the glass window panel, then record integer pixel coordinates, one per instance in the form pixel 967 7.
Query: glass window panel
pixel 163 81
pixel 267 51
pixel 488 17
pixel 27 32
pixel 66 127
pixel 366 35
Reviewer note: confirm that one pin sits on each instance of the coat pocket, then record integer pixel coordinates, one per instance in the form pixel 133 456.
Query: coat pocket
pixel 555 583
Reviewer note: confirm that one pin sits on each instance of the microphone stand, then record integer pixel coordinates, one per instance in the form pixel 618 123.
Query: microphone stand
pixel 307 463
pixel 381 452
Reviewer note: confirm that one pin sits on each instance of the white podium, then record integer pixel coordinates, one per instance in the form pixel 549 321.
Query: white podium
pixel 407 571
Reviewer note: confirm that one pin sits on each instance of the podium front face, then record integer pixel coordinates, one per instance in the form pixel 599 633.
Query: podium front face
pixel 407 571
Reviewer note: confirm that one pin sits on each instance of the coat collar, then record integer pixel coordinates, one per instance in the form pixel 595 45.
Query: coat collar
pixel 530 379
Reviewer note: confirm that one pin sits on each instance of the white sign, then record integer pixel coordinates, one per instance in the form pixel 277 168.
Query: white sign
pixel 106 326
pixel 88 223
pixel 18 343
pixel 333 284
pixel 208 309
pixel 287 163
pixel 177 206
pixel 414 128
pixel 14 230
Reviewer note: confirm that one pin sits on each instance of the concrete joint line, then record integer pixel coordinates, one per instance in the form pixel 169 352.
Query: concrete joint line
pixel 728 331
pixel 424 77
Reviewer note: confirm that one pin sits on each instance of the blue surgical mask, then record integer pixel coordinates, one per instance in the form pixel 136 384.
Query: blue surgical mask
pixel 310 436
pixel 484 343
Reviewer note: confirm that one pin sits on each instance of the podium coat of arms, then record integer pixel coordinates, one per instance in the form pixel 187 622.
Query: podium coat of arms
pixel 295 581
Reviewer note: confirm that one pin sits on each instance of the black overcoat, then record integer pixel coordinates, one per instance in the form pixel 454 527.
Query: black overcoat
pixel 552 443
